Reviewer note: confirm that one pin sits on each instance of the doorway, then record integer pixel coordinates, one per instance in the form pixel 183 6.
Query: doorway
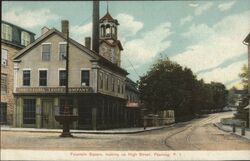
pixel 47 113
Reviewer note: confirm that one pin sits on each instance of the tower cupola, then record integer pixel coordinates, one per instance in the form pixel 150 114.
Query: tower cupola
pixel 108 27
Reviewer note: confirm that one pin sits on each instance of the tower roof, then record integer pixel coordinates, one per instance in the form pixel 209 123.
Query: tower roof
pixel 109 18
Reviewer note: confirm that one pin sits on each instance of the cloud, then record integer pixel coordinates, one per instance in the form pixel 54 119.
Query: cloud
pixel 29 18
pixel 193 5
pixel 144 49
pixel 186 19
pixel 226 6
pixel 212 45
pixel 202 8
pixel 128 25
pixel 79 32
pixel 225 75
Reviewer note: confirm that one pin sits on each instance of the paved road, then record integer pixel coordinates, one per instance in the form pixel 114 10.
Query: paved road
pixel 198 134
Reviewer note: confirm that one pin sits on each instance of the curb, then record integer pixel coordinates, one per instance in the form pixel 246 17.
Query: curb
pixel 232 133
pixel 240 136
pixel 219 127
pixel 89 132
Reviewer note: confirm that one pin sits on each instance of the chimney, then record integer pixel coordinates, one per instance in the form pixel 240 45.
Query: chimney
pixel 88 42
pixel 65 27
pixel 95 29
pixel 44 30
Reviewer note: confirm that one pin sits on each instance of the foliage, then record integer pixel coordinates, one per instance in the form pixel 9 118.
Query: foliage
pixel 244 76
pixel 232 96
pixel 167 85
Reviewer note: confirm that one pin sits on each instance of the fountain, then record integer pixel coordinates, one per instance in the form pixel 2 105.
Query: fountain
pixel 66 119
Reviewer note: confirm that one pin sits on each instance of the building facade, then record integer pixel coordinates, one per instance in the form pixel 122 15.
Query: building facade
pixel 96 81
pixel 13 39
pixel 247 109
pixel 135 115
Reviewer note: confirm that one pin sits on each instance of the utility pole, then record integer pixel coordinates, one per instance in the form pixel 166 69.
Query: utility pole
pixel 67 117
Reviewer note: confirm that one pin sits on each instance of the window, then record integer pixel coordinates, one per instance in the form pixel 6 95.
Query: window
pixel 113 84
pixel 107 82
pixel 3 113
pixel 6 32
pixel 108 30
pixel 101 80
pixel 63 104
pixel 122 88
pixel 4 58
pixel 43 78
pixel 85 77
pixel 62 78
pixel 3 84
pixel 26 78
pixel 113 30
pixel 29 111
pixel 25 38
pixel 118 86
pixel 46 52
pixel 102 30
pixel 62 51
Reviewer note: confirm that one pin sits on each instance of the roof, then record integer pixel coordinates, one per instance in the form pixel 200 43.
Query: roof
pixel 48 34
pixel 8 23
pixel 247 39
pixel 92 53
pixel 131 85
pixel 12 44
pixel 109 18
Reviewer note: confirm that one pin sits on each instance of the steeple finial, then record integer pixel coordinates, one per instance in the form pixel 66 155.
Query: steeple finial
pixel 107 6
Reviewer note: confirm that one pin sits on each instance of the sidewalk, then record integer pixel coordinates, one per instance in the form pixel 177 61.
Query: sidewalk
pixel 229 129
pixel 109 131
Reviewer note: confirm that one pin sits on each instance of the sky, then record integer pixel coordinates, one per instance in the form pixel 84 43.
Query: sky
pixel 206 36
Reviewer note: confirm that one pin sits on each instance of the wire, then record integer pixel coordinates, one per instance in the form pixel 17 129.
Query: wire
pixel 132 66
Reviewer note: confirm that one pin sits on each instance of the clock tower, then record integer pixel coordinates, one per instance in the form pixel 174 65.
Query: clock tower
pixel 110 47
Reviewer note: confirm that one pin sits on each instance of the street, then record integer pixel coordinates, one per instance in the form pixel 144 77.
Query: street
pixel 198 134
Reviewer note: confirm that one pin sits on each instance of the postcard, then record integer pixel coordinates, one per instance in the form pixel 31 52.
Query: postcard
pixel 125 80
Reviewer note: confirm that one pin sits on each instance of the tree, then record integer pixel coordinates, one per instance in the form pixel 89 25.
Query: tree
pixel 232 97
pixel 244 75
pixel 169 86
pixel 219 95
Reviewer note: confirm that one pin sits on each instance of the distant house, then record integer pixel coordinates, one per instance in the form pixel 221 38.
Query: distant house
pixel 13 39
pixel 133 103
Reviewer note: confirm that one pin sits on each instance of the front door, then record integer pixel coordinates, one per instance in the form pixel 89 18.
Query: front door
pixel 47 113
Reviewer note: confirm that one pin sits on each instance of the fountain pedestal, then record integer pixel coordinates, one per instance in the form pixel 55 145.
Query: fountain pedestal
pixel 66 119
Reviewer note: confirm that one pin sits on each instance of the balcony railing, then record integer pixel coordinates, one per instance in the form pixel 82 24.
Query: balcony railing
pixel 55 90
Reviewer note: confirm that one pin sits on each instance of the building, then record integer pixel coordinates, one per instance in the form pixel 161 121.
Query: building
pixel 247 42
pixel 96 80
pixel 135 115
pixel 13 39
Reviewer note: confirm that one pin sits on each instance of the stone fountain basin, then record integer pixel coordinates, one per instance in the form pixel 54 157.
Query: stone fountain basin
pixel 66 118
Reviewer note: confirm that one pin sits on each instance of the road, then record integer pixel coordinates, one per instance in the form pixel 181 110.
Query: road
pixel 198 134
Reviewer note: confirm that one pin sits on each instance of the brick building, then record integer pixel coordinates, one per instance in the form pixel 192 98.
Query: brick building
pixel 13 39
